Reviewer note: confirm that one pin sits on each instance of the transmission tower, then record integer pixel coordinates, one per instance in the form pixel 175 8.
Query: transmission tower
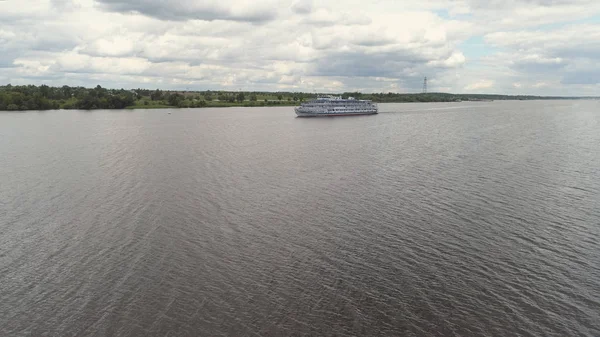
pixel 425 85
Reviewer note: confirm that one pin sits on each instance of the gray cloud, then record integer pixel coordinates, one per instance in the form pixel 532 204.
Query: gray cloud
pixel 65 5
pixel 7 59
pixel 586 77
pixel 302 7
pixel 183 10
pixel 357 64
pixel 539 67
pixel 21 40
pixel 589 50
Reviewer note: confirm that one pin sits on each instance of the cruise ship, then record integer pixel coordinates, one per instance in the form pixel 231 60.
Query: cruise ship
pixel 336 106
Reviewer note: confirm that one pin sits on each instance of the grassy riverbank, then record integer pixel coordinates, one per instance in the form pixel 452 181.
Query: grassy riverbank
pixel 145 103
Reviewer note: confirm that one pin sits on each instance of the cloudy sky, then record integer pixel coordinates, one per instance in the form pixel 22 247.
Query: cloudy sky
pixel 547 47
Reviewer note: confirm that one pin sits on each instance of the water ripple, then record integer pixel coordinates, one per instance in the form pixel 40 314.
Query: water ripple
pixel 468 219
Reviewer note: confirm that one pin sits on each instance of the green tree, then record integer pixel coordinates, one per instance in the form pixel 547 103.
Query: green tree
pixel 66 92
pixel 240 97
pixel 99 91
pixel 280 97
pixel 156 95
pixel 253 98
pixel 44 90
pixel 183 103
pixel 174 99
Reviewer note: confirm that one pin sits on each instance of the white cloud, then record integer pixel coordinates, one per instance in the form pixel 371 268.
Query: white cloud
pixel 481 84
pixel 455 60
pixel 541 85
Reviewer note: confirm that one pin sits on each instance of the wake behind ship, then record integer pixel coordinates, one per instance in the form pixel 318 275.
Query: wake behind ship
pixel 336 106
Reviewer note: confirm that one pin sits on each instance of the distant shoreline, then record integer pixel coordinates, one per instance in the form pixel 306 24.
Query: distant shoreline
pixel 137 107
pixel 39 98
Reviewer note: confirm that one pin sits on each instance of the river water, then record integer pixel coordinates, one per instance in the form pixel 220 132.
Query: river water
pixel 460 219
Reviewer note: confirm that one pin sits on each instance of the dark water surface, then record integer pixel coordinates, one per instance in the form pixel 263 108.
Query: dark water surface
pixel 464 219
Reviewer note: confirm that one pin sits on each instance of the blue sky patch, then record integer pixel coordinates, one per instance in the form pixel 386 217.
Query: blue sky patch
pixel 475 48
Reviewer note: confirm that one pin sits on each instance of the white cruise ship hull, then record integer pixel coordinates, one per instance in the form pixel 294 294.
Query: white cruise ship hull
pixel 334 113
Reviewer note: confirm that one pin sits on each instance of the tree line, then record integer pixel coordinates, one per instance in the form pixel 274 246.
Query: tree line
pixel 43 97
